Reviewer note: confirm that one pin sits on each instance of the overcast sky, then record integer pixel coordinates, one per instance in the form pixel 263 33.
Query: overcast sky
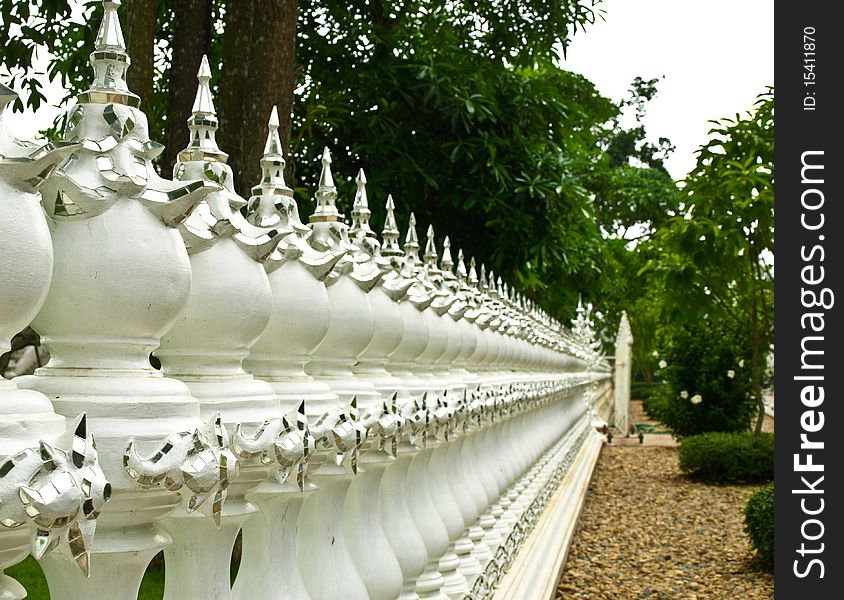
pixel 716 56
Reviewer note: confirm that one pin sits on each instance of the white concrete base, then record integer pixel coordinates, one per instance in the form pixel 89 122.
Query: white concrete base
pixel 536 569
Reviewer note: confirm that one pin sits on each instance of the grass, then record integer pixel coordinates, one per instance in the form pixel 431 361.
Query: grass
pixel 30 576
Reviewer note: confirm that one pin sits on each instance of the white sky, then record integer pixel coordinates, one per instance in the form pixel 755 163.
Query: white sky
pixel 716 56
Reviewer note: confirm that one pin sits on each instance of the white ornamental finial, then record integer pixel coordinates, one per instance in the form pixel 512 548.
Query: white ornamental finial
pixel 431 254
pixel 447 263
pixel 110 62
pixel 203 122
pixel 360 209
pixel 326 195
pixel 390 234
pixel 461 266
pixel 272 163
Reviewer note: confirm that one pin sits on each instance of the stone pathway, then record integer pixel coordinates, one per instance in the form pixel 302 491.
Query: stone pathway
pixel 648 533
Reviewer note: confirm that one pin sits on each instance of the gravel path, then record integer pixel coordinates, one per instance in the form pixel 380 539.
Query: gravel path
pixel 648 533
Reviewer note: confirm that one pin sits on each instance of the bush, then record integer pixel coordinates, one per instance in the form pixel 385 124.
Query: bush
pixel 728 457
pixel 709 388
pixel 655 404
pixel 759 522
pixel 642 390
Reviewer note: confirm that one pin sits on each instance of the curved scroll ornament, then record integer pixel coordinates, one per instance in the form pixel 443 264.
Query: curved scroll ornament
pixel 60 492
pixel 386 424
pixel 345 433
pixel 287 440
pixel 419 422
pixel 200 460
pixel 443 417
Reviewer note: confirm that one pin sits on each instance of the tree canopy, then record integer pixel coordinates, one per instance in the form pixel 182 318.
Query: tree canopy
pixel 716 256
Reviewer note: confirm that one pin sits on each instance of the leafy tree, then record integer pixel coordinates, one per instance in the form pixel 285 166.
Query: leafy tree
pixel 716 257
pixel 459 108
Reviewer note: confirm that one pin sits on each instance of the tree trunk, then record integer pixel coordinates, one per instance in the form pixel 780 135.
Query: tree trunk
pixel 259 48
pixel 191 39
pixel 139 31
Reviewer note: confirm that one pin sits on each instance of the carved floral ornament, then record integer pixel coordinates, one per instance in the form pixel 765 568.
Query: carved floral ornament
pixel 59 492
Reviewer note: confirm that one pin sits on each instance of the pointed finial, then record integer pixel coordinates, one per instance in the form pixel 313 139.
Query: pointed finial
pixel 272 163
pixel 484 284
pixel 411 239
pixel 461 266
pixel 360 209
pixel 325 178
pixel 473 272
pixel 446 263
pixel 203 122
pixel 326 194
pixel 390 233
pixel 411 243
pixel 431 254
pixel 110 62
pixel 273 145
pixel 203 103
pixel 110 35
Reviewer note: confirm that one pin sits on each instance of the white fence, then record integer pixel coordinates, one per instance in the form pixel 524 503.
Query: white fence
pixel 378 425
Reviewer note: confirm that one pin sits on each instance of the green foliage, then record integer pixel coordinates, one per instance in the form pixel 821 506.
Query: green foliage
pixel 33 27
pixel 654 399
pixel 719 244
pixel 459 109
pixel 707 360
pixel 716 255
pixel 656 406
pixel 641 390
pixel 30 26
pixel 735 457
pixel 759 523
pixel 461 129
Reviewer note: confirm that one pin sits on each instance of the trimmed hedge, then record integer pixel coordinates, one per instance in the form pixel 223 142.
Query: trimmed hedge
pixel 737 457
pixel 759 523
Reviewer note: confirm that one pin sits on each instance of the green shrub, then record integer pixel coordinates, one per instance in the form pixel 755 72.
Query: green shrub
pixel 709 385
pixel 738 457
pixel 641 390
pixel 759 522
pixel 655 403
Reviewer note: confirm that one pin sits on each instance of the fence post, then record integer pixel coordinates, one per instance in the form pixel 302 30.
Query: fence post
pixel 623 360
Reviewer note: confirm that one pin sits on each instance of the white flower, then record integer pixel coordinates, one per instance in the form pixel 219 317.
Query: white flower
pixel 662 364
pixel 741 363
pixel 697 399
pixel 684 394
pixel 655 354
pixel 731 374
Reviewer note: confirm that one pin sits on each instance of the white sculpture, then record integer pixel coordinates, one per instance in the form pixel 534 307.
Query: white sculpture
pixel 120 279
